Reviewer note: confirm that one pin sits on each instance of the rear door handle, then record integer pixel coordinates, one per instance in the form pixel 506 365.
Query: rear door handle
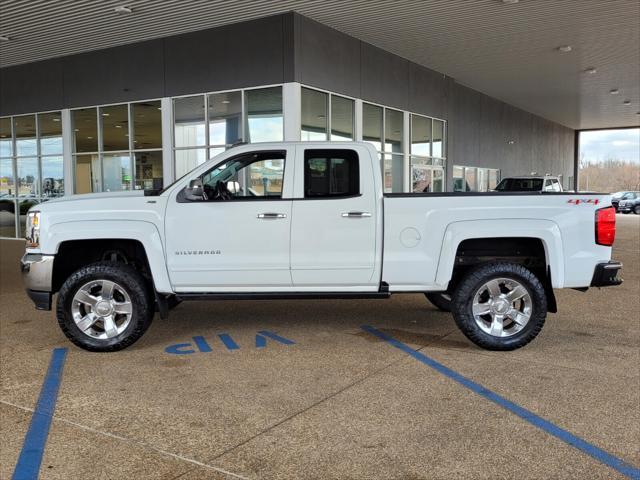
pixel 269 215
pixel 356 214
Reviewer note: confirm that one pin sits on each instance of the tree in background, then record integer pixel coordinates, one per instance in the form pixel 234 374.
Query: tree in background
pixel 610 175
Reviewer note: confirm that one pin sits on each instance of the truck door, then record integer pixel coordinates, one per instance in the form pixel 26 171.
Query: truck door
pixel 237 238
pixel 335 216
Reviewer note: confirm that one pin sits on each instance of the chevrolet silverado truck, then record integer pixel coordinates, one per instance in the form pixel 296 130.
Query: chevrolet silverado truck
pixel 311 220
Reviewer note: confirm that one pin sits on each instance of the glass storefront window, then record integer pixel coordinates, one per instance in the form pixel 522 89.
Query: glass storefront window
pixel 420 136
pixel 494 178
pixel 23 208
pixel 438 180
pixel 28 178
pixel 116 172
pixel 88 178
pixel 50 133
pixel 314 115
pixel 115 127
pixel 393 173
pixel 470 179
pixel 7 181
pixel 52 177
pixel 393 128
pixel 264 115
pixel 147 125
pixel 187 160
pixel 421 175
pixel 85 128
pixel 372 125
pixel 458 179
pixel 189 119
pixel 6 142
pixel 342 116
pixel 24 128
pixel 225 118
pixel 438 138
pixel 148 170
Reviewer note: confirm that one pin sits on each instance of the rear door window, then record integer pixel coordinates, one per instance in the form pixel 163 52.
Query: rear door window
pixel 331 173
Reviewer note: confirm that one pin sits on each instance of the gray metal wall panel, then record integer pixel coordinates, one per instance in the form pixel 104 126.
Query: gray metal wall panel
pixel 132 72
pixel 326 58
pixel 31 87
pixel 427 91
pixel 239 55
pixel 384 77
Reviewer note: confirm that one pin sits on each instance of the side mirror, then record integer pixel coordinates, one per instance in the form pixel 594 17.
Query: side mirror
pixel 195 190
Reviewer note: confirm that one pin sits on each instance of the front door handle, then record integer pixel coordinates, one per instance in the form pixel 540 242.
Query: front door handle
pixel 269 215
pixel 356 214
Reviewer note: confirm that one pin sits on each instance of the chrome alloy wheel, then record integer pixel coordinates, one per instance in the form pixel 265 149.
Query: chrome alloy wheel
pixel 502 307
pixel 102 309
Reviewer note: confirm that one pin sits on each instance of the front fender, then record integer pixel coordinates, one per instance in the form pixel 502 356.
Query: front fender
pixel 145 232
pixel 545 230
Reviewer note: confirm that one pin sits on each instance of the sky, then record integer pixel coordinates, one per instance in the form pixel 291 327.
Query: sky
pixel 599 145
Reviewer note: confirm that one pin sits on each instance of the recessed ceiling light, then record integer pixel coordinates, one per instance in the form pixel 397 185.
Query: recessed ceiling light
pixel 56 119
pixel 118 126
pixel 564 48
pixel 614 91
pixel 122 9
pixel 590 70
pixel 90 138
pixel 226 102
pixel 627 102
pixel 76 129
pixel 510 2
pixel 4 38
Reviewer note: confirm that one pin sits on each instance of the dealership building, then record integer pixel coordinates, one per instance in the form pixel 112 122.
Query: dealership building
pixel 123 114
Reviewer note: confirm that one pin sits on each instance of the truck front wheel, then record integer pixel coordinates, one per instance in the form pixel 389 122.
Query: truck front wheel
pixel 105 307
pixel 500 306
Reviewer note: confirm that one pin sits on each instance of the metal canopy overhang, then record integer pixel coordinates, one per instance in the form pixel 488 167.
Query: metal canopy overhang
pixel 506 50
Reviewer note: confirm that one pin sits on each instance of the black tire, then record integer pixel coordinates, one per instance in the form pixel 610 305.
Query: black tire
pixel 636 210
pixel 139 291
pixel 441 300
pixel 472 283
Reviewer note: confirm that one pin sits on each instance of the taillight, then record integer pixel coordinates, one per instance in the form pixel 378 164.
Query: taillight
pixel 605 226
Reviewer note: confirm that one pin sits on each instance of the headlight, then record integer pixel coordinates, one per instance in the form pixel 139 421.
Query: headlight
pixel 32 229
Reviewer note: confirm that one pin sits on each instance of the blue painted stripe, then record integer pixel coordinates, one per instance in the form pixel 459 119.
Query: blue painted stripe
pixel 202 344
pixel 567 437
pixel 28 465
pixel 229 342
pixel 275 337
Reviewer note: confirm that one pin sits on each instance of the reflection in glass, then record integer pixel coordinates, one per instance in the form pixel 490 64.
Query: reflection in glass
pixel 7 184
pixel 23 208
pixel 148 170
pixel 115 127
pixel 50 133
pixel 116 172
pixel 421 175
pixel 483 180
pixel 7 217
pixel 393 126
pixel 264 115
pixel 24 128
pixel 188 115
pixel 420 136
pixel 6 143
pixel 438 180
pixel 187 160
pixel 470 179
pixel 215 151
pixel 372 125
pixel 458 179
pixel 438 138
pixel 85 129
pixel 225 118
pixel 393 174
pixel 341 118
pixel 52 177
pixel 147 125
pixel 27 170
pixel 88 177
pixel 494 178
pixel 314 115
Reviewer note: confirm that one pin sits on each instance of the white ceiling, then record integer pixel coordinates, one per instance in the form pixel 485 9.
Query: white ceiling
pixel 507 51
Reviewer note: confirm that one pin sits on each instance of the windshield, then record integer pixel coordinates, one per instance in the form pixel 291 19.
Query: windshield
pixel 520 185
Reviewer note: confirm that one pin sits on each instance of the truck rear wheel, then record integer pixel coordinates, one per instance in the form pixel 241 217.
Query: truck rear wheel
pixel 500 306
pixel 105 307
pixel 441 300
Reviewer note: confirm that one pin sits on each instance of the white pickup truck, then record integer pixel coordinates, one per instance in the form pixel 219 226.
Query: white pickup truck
pixel 310 220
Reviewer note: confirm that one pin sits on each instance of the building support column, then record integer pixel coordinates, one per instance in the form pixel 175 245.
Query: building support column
pixel 291 110
pixel 67 152
pixel 406 143
pixel 358 120
pixel 168 174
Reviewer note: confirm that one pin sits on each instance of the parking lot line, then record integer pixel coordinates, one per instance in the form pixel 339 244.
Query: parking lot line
pixel 28 464
pixel 539 422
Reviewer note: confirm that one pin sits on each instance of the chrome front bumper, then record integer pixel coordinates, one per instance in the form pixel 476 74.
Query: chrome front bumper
pixel 37 275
